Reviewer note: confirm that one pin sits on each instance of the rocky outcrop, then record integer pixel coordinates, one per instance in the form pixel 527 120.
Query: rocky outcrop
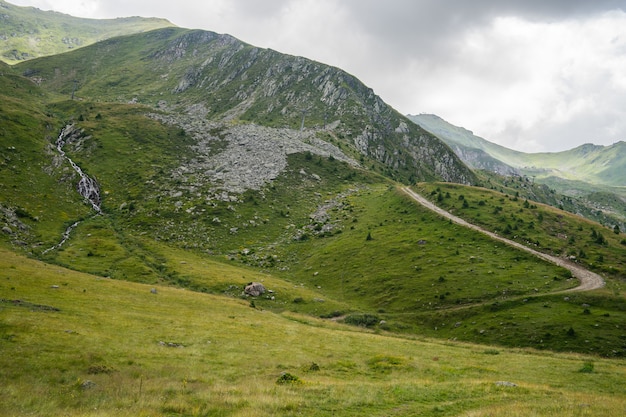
pixel 254 289
pixel 242 157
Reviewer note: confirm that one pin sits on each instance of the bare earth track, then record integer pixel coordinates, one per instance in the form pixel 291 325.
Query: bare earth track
pixel 588 280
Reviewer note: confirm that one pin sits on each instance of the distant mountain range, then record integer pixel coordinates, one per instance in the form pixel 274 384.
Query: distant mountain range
pixel 568 171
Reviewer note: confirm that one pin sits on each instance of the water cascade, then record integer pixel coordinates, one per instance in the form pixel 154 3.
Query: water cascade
pixel 86 187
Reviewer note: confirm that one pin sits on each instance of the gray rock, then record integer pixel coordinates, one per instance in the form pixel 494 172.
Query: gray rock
pixel 87 384
pixel 506 384
pixel 254 289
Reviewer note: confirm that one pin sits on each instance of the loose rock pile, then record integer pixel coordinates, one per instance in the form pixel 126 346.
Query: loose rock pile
pixel 248 156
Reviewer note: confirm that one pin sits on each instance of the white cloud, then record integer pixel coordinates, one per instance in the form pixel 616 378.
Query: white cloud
pixel 81 8
pixel 531 85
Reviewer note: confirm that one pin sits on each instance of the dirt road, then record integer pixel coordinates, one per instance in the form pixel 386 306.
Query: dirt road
pixel 588 280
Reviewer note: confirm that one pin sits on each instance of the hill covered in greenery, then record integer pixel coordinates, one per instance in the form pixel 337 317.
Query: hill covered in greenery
pixel 145 180
pixel 588 180
pixel 77 344
pixel 27 32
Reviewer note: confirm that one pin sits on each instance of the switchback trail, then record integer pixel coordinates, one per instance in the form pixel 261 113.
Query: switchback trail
pixel 588 280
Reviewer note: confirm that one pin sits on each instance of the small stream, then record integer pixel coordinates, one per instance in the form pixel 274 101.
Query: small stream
pixel 86 187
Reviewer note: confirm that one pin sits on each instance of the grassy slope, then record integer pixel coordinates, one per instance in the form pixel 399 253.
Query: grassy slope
pixel 229 78
pixel 423 275
pixel 596 203
pixel 27 32
pixel 415 269
pixel 31 184
pixel 230 357
pixel 546 228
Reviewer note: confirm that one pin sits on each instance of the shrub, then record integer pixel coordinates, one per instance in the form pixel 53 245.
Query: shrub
pixel 587 368
pixel 386 363
pixel 287 378
pixel 331 315
pixel 99 369
pixel 314 367
pixel 363 320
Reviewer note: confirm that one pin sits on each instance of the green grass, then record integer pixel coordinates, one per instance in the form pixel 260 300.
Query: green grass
pixel 368 304
pixel 442 264
pixel 545 228
pixel 179 352
pixel 32 185
pixel 415 268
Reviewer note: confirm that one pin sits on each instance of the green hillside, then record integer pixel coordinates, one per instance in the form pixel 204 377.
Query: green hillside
pixel 212 77
pixel 145 180
pixel 588 180
pixel 27 32
pixel 75 344
pixel 181 174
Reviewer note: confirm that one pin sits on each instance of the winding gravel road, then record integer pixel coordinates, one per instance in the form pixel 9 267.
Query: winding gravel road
pixel 588 280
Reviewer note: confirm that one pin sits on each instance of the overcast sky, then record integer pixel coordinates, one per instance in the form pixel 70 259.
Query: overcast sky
pixel 532 75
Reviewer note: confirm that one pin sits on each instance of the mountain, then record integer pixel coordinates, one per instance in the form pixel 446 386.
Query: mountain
pixel 27 32
pixel 214 77
pixel 189 159
pixel 594 164
pixel 475 151
pixel 178 124
pixel 589 180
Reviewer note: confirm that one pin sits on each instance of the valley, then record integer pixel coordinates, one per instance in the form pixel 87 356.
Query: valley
pixel 146 179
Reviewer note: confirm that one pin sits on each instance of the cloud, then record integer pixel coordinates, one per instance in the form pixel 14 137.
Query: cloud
pixel 533 75
pixel 536 86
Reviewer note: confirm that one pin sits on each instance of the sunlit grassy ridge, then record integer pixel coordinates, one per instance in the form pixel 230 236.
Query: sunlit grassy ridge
pixel 28 32
pixel 76 344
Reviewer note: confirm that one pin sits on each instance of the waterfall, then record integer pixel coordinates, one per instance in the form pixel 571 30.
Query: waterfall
pixel 86 187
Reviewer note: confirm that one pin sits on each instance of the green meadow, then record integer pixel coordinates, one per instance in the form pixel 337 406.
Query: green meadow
pixel 76 344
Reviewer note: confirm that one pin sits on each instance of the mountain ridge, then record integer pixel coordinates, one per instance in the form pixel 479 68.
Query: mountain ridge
pixel 596 164
pixel 28 32
pixel 223 79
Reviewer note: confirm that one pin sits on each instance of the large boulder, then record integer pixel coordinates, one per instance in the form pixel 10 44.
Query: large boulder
pixel 254 289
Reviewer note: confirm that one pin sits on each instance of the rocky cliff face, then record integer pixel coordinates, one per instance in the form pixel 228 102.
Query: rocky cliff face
pixel 294 99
